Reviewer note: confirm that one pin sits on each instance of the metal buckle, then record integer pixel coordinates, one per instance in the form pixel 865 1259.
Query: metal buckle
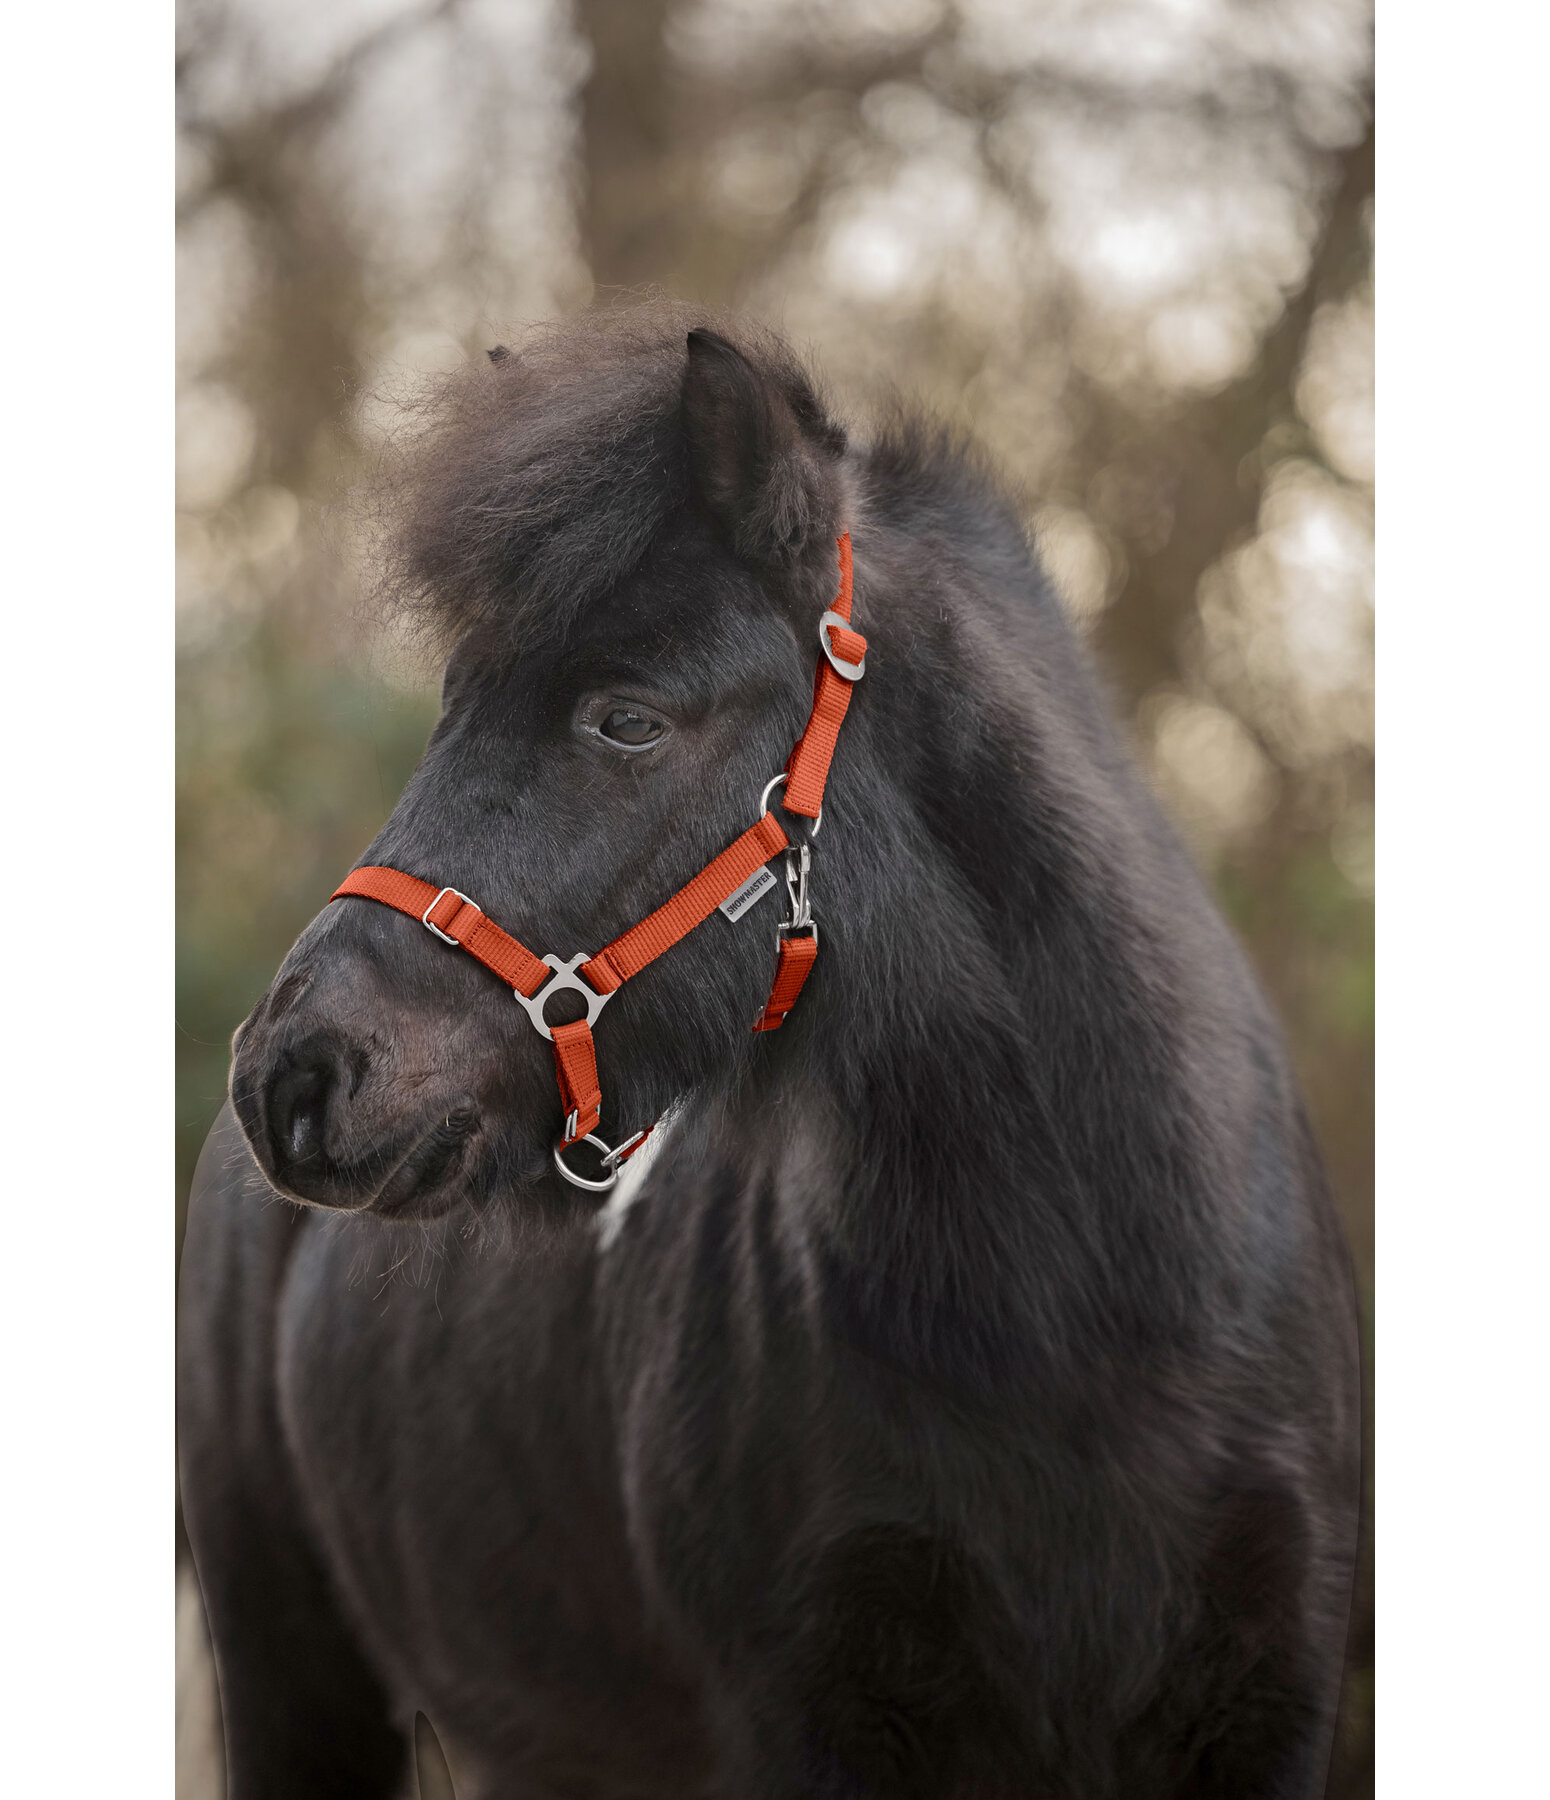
pixel 611 1160
pixel 425 917
pixel 770 787
pixel 847 671
pixel 564 977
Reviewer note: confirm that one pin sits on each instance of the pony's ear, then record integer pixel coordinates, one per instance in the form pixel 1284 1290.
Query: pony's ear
pixel 762 450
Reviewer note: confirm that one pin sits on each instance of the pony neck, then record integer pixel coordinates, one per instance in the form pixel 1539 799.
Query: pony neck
pixel 991 1170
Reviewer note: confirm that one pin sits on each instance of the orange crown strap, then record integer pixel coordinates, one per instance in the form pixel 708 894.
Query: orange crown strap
pixel 808 766
pixel 452 916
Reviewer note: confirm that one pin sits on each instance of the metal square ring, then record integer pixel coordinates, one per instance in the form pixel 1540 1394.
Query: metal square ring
pixel 564 979
pixel 425 917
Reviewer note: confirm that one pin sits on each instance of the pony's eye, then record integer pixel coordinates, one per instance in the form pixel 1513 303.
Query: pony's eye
pixel 632 729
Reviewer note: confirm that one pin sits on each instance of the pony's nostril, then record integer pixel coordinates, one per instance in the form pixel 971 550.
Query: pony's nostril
pixel 298 1109
pixel 306 1127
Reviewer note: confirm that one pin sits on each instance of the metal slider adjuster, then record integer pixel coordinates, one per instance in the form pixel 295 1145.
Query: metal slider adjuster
pixel 611 1160
pixel 563 978
pixel 425 917
pixel 847 671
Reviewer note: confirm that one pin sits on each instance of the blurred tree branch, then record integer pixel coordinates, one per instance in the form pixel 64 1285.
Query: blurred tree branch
pixel 632 211
pixel 299 356
pixel 1201 461
pixel 240 145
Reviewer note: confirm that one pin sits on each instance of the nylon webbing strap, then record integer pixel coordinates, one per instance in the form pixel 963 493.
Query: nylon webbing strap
pixel 575 1068
pixel 659 931
pixel 808 765
pixel 793 964
pixel 454 917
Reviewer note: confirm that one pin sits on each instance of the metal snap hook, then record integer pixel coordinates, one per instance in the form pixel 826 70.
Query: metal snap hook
pixel 799 862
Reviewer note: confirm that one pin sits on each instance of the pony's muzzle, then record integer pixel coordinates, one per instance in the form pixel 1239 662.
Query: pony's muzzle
pixel 320 1132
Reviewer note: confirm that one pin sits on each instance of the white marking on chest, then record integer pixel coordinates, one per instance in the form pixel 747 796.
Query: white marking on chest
pixel 610 1221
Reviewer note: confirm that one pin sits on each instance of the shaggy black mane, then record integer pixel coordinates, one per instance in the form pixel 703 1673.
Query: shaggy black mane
pixel 526 486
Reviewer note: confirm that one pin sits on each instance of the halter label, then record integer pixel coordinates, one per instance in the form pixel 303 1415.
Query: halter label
pixel 749 894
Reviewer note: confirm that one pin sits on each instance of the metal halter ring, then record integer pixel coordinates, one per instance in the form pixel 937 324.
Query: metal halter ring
pixel 611 1161
pixel 564 977
pixel 770 787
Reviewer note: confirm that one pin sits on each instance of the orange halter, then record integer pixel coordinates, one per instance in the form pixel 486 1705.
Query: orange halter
pixel 457 920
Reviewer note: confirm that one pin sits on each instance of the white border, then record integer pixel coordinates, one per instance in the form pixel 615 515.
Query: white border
pixel 1463 1008
pixel 1463 1084
pixel 86 1319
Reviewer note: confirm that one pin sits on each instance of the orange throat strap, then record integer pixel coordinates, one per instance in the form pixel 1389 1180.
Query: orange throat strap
pixel 534 980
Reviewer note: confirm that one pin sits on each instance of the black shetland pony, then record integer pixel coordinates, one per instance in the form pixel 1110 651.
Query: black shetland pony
pixel 961 1399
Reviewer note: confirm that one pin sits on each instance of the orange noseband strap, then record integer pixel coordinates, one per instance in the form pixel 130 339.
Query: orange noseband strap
pixel 453 917
pixel 457 920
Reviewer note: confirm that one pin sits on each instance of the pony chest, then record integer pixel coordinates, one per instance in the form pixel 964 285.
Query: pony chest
pixel 451 1487
pixel 458 1474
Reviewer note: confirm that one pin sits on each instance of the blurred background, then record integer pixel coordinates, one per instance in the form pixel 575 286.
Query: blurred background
pixel 1128 243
